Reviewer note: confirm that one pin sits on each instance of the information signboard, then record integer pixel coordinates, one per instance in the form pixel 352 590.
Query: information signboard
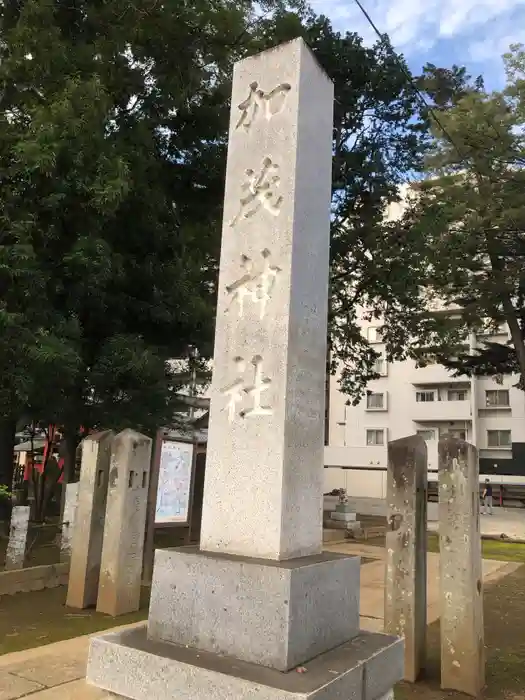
pixel 174 482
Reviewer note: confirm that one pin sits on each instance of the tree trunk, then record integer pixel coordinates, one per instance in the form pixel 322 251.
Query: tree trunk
pixel 509 312
pixel 7 443
pixel 516 337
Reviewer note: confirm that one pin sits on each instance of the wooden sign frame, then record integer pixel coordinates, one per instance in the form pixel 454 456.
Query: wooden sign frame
pixel 149 544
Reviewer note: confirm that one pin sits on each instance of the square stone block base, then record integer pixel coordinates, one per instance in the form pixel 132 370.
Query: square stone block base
pixel 344 508
pixel 348 525
pixel 276 614
pixel 346 517
pixel 130 665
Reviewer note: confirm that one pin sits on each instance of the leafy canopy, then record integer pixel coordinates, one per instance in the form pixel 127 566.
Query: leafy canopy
pixel 468 219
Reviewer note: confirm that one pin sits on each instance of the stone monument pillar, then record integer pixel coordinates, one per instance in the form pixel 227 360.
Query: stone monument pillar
pixel 86 546
pixel 68 525
pixel 124 531
pixel 17 545
pixel 259 598
pixel 462 635
pixel 406 549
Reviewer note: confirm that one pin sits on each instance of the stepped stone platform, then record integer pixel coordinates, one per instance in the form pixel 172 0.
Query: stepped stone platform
pixel 129 664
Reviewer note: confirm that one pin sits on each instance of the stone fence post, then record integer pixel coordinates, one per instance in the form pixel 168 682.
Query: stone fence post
pixel 68 521
pixel 462 636
pixel 17 545
pixel 126 510
pixel 406 549
pixel 86 546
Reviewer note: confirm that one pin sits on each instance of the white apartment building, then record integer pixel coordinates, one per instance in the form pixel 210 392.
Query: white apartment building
pixel 429 401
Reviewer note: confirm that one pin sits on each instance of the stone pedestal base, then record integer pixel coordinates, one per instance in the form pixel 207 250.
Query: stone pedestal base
pixel 346 517
pixel 276 614
pixel 344 508
pixel 348 525
pixel 129 664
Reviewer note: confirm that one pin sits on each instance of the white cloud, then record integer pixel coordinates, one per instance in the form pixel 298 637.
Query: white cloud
pixel 479 27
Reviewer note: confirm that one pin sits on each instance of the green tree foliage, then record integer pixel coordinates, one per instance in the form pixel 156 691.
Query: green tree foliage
pixel 377 141
pixel 470 218
pixel 112 150
pixel 113 121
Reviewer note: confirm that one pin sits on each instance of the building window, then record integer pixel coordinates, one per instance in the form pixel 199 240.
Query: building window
pixel 375 400
pixel 425 396
pixel 375 437
pixel 458 433
pixel 373 334
pixel 457 395
pixel 427 434
pixel 380 366
pixel 499 438
pixel 497 397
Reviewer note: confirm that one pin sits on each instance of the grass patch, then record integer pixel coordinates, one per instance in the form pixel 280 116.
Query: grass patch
pixel 490 549
pixel 33 619
pixel 500 550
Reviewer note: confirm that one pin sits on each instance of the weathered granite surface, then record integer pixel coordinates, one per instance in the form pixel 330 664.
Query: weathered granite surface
pixel 275 614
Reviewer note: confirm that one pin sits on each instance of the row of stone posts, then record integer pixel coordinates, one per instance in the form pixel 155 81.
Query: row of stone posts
pixel 108 537
pixel 461 581
pixel 18 545
pixel 103 524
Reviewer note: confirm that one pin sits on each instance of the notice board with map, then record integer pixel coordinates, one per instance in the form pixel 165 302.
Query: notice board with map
pixel 174 482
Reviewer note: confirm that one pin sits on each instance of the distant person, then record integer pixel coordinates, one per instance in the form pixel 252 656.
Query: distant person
pixel 487 498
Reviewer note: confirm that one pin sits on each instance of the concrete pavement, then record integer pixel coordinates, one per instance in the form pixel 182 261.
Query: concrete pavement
pixel 373 585
pixel 56 671
pixel 509 522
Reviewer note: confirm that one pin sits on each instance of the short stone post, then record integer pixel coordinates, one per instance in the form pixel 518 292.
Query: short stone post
pixel 406 549
pixel 68 521
pixel 462 637
pixel 17 545
pixel 122 551
pixel 88 532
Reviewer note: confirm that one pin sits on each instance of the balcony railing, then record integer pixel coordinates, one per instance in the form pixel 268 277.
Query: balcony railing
pixel 371 456
pixel 436 411
pixel 436 374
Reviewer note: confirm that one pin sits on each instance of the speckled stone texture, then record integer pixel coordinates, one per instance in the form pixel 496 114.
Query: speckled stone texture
pixel 406 549
pixel 462 635
pixel 88 533
pixel 264 464
pixel 17 545
pixel 123 545
pixel 260 596
pixel 277 615
pixel 130 665
pixel 68 524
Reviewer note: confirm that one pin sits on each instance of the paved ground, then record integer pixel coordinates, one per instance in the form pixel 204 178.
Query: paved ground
pixel 372 582
pixel 509 522
pixel 56 671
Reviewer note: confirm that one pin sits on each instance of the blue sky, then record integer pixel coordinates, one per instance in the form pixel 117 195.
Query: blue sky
pixel 468 32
